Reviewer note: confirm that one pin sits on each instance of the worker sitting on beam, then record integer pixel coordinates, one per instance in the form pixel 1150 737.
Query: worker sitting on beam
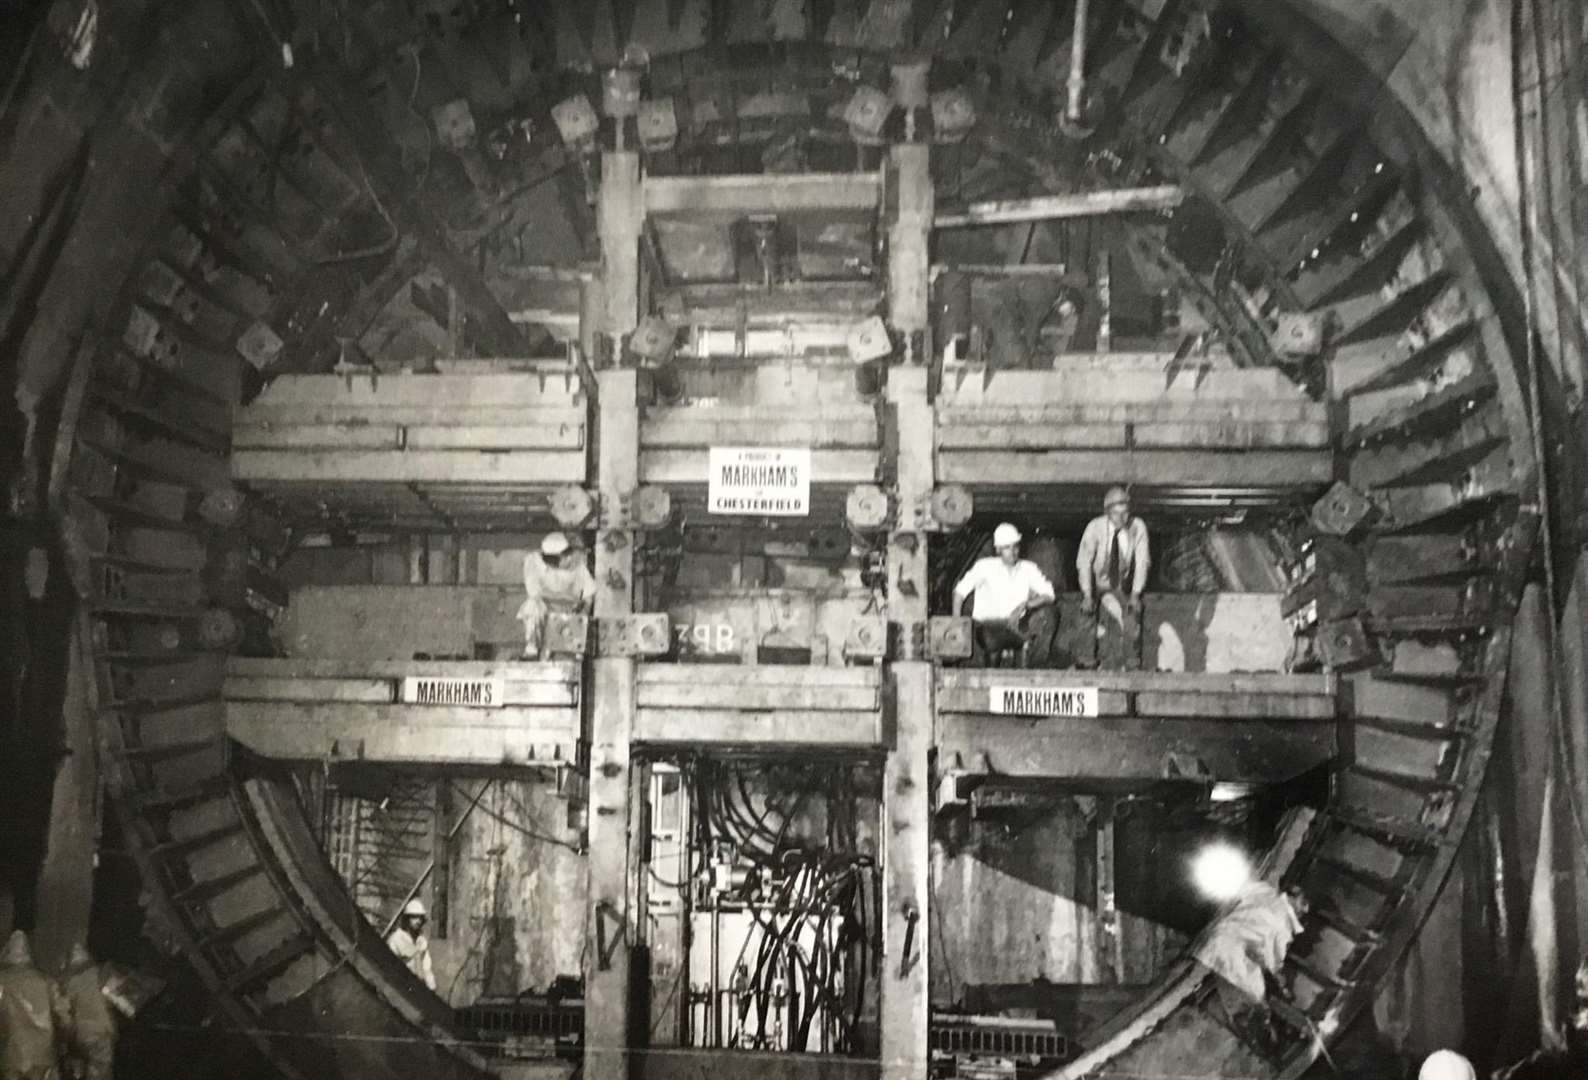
pixel 555 579
pixel 1013 607
pixel 1112 563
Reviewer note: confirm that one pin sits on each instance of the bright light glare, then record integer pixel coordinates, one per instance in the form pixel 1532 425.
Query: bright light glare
pixel 1219 871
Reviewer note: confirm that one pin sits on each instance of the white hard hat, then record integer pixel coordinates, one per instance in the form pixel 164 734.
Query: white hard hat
pixel 1114 496
pixel 555 544
pixel 1446 1065
pixel 414 907
pixel 1005 535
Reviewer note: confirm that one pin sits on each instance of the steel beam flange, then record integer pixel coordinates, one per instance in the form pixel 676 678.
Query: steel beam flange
pixel 643 634
pixel 646 507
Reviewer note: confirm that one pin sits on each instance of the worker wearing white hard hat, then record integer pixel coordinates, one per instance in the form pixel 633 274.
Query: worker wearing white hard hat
pixel 555 579
pixel 408 941
pixel 1446 1065
pixel 1111 564
pixel 1011 603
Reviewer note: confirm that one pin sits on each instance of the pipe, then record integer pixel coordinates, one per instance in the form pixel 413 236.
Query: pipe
pixel 1071 205
pixel 1077 81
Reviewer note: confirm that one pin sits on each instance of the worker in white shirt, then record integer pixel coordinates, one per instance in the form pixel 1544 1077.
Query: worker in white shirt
pixel 1112 563
pixel 555 579
pixel 1012 605
pixel 408 941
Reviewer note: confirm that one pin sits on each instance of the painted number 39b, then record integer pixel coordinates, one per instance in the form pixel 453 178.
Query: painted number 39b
pixel 704 637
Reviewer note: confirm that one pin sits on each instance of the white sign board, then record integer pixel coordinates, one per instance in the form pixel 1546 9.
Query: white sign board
pixel 468 693
pixel 770 481
pixel 1042 700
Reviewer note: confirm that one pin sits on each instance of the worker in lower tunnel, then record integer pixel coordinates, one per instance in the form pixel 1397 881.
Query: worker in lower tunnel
pixel 1111 564
pixel 91 1044
pixel 555 579
pixel 408 941
pixel 1012 604
pixel 1245 948
pixel 34 1015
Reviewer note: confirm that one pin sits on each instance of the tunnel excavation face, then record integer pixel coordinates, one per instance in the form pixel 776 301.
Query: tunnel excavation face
pixel 318 220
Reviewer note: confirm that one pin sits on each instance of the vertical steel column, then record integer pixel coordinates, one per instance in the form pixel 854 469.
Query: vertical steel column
pixel 612 902
pixel 906 796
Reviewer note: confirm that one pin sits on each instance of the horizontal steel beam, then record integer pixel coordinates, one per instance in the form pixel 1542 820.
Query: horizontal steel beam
pixel 756 193
pixel 315 731
pixel 1073 205
pixel 1136 750
pixel 535 467
pixel 804 728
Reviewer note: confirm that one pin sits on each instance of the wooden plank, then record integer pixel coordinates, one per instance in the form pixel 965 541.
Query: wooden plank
pixel 1108 380
pixel 318 393
pixel 690 466
pixel 415 466
pixel 544 671
pixel 563 436
pixel 1160 409
pixel 1103 751
pixel 1238 705
pixel 1239 434
pixel 1149 681
pixel 1199 469
pixel 1000 436
pixel 351 436
pixel 686 427
pixel 249 688
pixel 791 675
pixel 762 193
pixel 736 727
pixel 385 690
pixel 464 414
pixel 1069 205
pixel 716 695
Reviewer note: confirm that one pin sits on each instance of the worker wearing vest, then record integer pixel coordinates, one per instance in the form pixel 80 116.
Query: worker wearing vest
pixel 1013 604
pixel 1111 565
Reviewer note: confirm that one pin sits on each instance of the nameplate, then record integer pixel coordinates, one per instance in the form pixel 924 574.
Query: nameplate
pixel 769 481
pixel 1043 700
pixel 465 693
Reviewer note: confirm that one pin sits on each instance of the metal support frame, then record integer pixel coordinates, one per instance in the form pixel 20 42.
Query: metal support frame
pixel 612 896
pixel 906 791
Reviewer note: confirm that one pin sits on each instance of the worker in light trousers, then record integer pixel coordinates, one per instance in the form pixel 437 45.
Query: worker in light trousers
pixel 1111 565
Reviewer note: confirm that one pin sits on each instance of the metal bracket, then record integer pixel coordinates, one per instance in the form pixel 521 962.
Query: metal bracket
pixel 948 637
pixel 572 506
pixel 642 634
pixel 567 634
pixel 871 509
pixel 646 507
pixel 867 638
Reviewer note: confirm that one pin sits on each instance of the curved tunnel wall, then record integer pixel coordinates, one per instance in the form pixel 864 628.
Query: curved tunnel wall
pixel 254 907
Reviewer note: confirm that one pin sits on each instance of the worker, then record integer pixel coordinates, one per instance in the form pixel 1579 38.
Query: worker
pixel 555 579
pixel 1446 1065
pixel 1111 564
pixel 1245 947
pixel 92 1038
pixel 33 1014
pixel 1012 603
pixel 408 941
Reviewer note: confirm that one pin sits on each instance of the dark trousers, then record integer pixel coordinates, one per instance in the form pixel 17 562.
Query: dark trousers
pixel 1110 639
pixel 1031 641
